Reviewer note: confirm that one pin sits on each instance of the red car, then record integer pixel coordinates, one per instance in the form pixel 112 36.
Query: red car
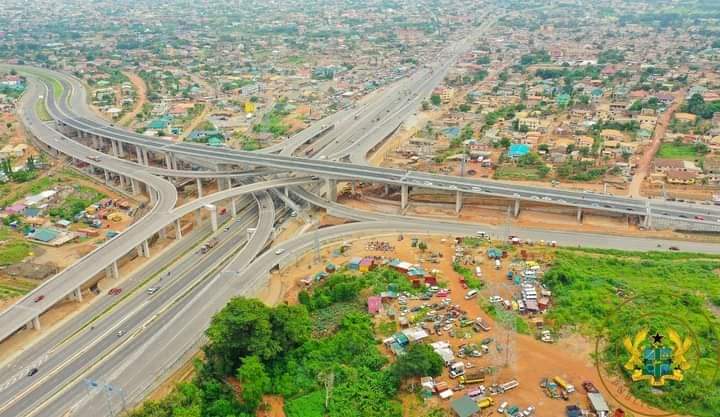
pixel 699 217
pixel 39 298
pixel 114 291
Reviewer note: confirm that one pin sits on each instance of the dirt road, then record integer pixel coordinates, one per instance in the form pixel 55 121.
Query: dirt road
pixel 195 122
pixel 643 168
pixel 141 98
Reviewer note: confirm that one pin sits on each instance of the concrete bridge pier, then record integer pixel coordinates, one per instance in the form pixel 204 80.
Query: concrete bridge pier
pixel 579 215
pixel 516 208
pixel 122 181
pixel 139 156
pixel 198 182
pixel 144 249
pixel 404 194
pixel 112 271
pixel 198 217
pixel 213 216
pixel 113 148
pixel 458 201
pixel 168 161
pixel 331 189
pixel 77 294
pixel 107 176
pixel 121 149
pixel 145 157
pixel 233 207
pixel 352 187
pixel 34 324
pixel 134 186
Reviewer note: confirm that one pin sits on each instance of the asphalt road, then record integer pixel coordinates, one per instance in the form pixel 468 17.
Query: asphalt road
pixel 158 336
pixel 678 212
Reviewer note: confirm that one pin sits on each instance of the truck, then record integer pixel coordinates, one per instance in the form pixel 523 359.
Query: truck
pixel 513 383
pixel 479 324
pixel 475 377
pixel 457 369
pixel 564 384
pixel 485 402
pixel 208 245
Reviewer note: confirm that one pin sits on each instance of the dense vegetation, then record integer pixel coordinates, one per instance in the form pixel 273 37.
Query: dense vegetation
pixel 609 292
pixel 255 350
pixel 697 105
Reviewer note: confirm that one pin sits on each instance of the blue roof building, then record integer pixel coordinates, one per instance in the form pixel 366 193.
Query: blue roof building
pixel 518 149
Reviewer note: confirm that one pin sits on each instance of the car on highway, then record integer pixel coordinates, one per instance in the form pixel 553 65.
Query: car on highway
pixel 152 290
pixel 279 251
pixel 119 333
pixel 94 158
pixel 699 217
pixel 674 248
pixel 32 371
pixel 38 298
pixel 114 291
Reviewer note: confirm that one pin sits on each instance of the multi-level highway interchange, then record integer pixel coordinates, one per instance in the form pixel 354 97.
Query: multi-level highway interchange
pixel 159 331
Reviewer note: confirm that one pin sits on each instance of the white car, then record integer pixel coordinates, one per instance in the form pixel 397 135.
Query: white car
pixel 279 251
pixel 529 411
pixel 495 299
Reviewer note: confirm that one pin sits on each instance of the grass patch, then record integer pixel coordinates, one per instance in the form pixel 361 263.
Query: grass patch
pixel 13 248
pixel 510 172
pixel 678 151
pixel 607 292
pixel 10 288
pixel 470 279
pixel 310 405
pixel 41 111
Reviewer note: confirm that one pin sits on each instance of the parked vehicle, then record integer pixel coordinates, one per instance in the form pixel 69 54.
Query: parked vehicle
pixel 457 369
pixel 589 387
pixel 479 324
pixel 513 383
pixel 564 384
pixel 485 402
pixel 471 294
pixel 39 298
pixel 497 264
pixel 502 407
pixel 475 377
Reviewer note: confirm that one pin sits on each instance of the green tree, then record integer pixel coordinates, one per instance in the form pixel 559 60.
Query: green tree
pixel 290 326
pixel 419 360
pixel 255 381
pixel 242 328
pixel 422 246
pixel 435 99
pixel 505 142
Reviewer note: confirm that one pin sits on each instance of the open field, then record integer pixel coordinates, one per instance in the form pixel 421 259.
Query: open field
pixel 614 294
pixel 678 151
